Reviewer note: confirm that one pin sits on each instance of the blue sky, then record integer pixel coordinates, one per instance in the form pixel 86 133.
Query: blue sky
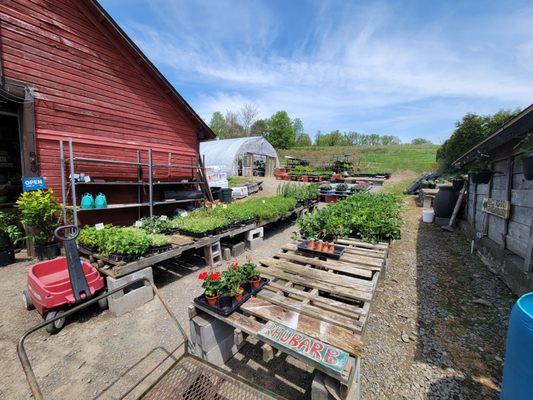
pixel 409 69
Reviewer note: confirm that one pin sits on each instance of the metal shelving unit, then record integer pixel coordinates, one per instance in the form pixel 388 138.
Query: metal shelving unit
pixel 69 183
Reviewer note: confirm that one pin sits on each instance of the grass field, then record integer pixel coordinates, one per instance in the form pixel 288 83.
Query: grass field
pixel 371 158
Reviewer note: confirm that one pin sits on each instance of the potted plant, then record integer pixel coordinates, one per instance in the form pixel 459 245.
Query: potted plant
pixel 250 273
pixel 457 182
pixel 325 188
pixel 39 214
pixel 341 188
pixel 233 279
pixel 481 173
pixel 10 235
pixel 212 286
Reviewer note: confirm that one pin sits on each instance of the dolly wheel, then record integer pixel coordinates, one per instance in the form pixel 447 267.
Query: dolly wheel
pixel 26 299
pixel 55 326
pixel 102 303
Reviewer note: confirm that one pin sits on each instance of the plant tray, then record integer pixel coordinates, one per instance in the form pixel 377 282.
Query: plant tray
pixel 160 249
pixel 89 249
pixel 302 246
pixel 122 257
pixel 226 304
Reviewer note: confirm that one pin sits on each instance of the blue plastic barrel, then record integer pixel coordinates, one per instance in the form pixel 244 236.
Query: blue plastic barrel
pixel 518 365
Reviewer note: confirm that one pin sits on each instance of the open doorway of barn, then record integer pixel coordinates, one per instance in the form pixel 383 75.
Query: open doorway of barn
pixel 10 154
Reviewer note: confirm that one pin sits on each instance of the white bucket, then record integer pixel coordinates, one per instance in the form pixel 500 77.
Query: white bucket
pixel 428 216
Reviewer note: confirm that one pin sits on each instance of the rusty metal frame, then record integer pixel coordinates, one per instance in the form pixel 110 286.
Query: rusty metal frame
pixel 21 351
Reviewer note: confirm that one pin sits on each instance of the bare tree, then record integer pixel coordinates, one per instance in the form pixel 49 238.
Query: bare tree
pixel 248 114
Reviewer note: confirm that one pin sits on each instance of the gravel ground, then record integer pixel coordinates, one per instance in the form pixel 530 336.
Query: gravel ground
pixel 436 330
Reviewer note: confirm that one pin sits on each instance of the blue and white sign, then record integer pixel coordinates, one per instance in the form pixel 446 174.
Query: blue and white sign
pixel 33 183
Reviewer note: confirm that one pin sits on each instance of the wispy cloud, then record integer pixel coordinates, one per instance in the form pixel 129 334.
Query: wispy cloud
pixel 360 66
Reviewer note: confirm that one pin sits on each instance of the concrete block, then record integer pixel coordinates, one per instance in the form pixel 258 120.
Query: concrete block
pixel 318 387
pixel 213 254
pixel 254 234
pixel 221 353
pixel 226 253
pixel 237 249
pixel 208 331
pixel 127 300
pixel 254 243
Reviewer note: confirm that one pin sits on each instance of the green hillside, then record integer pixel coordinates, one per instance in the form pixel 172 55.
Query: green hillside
pixel 372 158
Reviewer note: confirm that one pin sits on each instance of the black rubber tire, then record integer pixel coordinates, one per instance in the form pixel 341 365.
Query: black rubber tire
pixel 26 299
pixel 57 325
pixel 102 303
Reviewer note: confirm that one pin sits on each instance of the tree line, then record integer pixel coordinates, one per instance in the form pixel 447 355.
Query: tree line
pixel 283 132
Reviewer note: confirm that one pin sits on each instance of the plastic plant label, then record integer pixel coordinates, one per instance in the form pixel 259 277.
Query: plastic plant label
pixel 224 206
pixel 138 224
pixel 264 202
pixel 214 206
pixel 163 217
pixel 99 226
pixel 183 213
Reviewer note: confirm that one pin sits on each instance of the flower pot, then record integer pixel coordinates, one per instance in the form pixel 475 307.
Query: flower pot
pixel 527 163
pixel 310 244
pixel 212 301
pixel 238 297
pixel 255 282
pixel 482 176
pixel 47 251
pixel 7 256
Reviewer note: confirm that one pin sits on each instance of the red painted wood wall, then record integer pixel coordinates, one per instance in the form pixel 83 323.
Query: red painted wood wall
pixel 90 89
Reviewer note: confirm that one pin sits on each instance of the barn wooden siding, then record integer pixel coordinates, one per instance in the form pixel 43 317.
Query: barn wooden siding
pixel 513 234
pixel 88 88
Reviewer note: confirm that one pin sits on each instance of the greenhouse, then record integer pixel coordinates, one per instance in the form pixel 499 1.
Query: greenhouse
pixel 246 156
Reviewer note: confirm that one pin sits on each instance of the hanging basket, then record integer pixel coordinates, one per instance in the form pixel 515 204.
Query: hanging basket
pixel 482 176
pixel 527 163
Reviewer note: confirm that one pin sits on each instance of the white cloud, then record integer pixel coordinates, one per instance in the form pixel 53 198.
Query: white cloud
pixel 341 67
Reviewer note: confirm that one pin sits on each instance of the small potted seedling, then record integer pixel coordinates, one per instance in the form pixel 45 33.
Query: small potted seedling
pixel 325 188
pixel 233 279
pixel 212 286
pixel 249 271
pixel 341 188
pixel 311 244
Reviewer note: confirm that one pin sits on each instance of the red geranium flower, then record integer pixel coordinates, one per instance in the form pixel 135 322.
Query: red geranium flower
pixel 215 276
pixel 235 265
pixel 202 276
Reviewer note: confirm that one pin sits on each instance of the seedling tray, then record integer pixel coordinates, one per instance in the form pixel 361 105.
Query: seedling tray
pixel 226 304
pixel 302 246
pixel 160 249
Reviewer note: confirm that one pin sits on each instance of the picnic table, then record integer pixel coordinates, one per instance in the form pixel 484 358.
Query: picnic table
pixel 313 300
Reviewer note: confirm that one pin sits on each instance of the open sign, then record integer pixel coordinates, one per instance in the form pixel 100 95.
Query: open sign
pixel 33 183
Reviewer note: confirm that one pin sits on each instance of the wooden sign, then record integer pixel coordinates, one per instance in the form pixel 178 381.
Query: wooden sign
pixel 293 341
pixel 499 208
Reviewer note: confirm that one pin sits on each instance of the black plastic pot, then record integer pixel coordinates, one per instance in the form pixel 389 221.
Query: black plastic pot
pixel 482 176
pixel 527 162
pixel 226 195
pixel 7 256
pixel 457 184
pixel 444 202
pixel 47 251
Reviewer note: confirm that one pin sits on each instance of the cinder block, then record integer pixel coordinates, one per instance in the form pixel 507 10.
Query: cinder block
pixel 226 253
pixel 254 233
pixel 237 249
pixel 318 387
pixel 222 352
pixel 126 301
pixel 213 254
pixel 254 243
pixel 208 331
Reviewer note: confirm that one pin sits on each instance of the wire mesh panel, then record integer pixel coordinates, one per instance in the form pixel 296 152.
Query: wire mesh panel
pixel 192 379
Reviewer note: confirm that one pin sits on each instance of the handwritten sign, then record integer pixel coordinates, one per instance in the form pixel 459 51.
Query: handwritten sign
pixel 33 183
pixel 322 353
pixel 499 208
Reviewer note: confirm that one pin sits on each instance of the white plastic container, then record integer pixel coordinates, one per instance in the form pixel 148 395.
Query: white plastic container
pixel 428 216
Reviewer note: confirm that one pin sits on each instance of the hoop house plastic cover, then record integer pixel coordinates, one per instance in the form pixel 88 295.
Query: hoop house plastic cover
pixel 227 152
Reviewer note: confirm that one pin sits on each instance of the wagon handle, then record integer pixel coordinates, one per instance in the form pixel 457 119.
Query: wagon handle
pixel 21 351
pixel 64 237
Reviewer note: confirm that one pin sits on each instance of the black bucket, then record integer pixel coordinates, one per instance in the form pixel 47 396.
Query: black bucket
pixel 444 202
pixel 225 195
pixel 47 251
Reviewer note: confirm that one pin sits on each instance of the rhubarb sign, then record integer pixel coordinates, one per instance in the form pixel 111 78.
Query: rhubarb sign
pixel 296 342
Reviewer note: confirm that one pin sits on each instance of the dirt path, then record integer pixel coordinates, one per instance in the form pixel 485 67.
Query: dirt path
pixel 437 328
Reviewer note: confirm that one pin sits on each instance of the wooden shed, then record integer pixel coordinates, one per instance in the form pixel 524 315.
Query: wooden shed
pixel 499 214
pixel 69 72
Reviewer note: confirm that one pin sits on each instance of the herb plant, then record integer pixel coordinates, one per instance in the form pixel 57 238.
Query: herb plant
pixel 38 212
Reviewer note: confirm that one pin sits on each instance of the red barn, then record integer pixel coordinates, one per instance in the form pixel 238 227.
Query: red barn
pixel 68 71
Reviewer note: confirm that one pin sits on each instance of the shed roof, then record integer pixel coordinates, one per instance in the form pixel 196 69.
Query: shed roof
pixel 517 128
pixel 106 21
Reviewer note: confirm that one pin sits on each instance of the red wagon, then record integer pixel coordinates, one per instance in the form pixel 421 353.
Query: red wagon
pixel 57 284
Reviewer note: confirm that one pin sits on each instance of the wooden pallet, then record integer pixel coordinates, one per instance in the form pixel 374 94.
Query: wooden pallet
pixel 328 300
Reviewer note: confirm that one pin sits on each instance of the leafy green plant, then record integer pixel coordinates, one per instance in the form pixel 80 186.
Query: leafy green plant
pixel 157 240
pixel 301 193
pixel 38 212
pixel 10 230
pixel 155 224
pixel 125 241
pixel 341 187
pixel 233 278
pixel 249 271
pixel 325 187
pixel 372 217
